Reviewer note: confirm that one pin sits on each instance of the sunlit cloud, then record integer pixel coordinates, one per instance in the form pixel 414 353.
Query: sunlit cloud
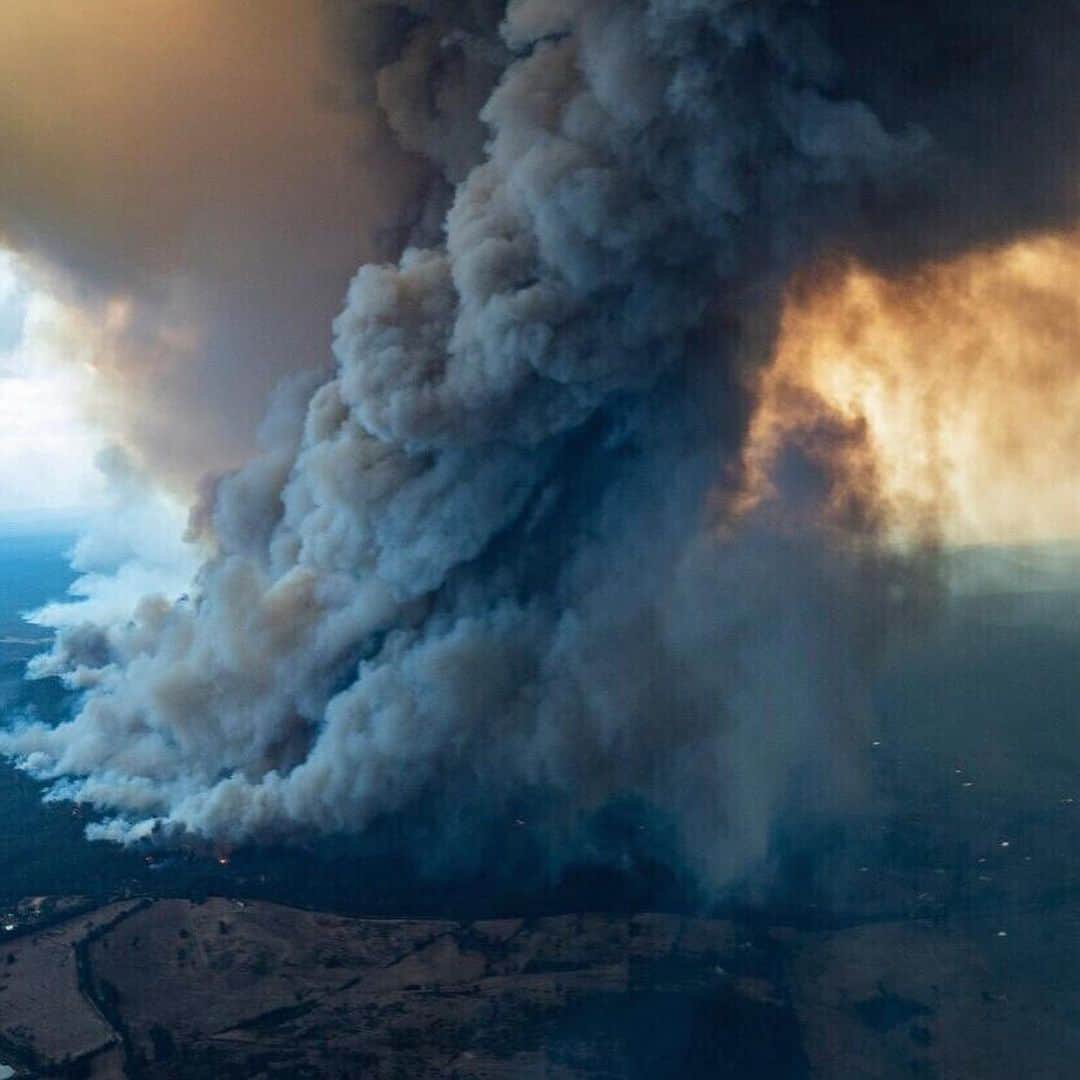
pixel 47 443
pixel 958 385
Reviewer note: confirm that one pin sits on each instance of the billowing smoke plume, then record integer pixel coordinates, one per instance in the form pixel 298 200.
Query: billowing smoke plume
pixel 503 549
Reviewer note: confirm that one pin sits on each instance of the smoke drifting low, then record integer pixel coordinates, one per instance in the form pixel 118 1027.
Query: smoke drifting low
pixel 505 547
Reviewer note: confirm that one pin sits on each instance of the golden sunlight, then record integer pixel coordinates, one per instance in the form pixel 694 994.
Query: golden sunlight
pixel 48 444
pixel 962 380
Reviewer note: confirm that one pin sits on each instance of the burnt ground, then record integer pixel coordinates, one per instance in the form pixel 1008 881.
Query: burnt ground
pixel 226 988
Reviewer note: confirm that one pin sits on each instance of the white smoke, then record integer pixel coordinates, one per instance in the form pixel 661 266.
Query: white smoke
pixel 491 552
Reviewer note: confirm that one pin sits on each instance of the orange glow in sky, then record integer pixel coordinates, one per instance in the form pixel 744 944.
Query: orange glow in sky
pixel 963 379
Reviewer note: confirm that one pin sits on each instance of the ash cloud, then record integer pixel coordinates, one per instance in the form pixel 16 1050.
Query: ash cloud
pixel 499 550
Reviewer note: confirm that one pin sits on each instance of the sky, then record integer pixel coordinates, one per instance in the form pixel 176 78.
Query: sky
pixel 965 375
pixel 194 184
pixel 48 443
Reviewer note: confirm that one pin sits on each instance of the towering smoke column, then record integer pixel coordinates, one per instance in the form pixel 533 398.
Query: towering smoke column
pixel 505 548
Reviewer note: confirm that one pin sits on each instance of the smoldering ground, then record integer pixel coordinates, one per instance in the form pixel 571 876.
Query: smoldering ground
pixel 502 555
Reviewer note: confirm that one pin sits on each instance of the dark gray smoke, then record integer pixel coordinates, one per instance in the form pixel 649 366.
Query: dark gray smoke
pixel 496 551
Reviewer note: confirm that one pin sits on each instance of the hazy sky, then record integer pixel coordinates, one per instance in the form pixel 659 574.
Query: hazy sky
pixel 47 446
pixel 194 182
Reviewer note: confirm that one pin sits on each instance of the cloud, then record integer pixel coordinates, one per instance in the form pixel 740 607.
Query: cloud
pixel 502 548
pixel 184 164
pixel 46 444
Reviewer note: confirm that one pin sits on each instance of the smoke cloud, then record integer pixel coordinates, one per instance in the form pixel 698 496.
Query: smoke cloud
pixel 505 546
pixel 195 179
